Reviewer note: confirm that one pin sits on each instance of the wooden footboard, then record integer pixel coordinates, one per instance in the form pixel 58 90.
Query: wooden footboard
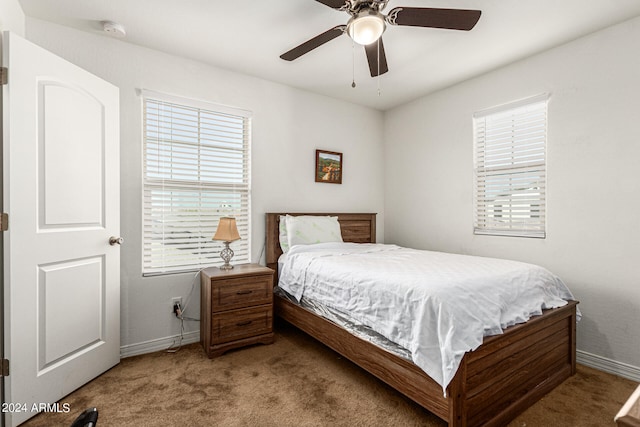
pixel 512 371
pixel 503 377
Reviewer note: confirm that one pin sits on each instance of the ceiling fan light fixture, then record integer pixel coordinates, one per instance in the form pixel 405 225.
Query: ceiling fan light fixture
pixel 366 27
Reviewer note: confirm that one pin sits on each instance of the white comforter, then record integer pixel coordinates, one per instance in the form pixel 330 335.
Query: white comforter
pixel 436 305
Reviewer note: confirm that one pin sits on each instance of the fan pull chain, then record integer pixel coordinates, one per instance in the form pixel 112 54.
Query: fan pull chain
pixel 353 64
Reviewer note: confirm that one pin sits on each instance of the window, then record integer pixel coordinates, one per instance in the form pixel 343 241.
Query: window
pixel 196 170
pixel 510 169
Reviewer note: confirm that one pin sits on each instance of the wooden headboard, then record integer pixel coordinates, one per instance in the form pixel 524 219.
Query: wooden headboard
pixel 355 227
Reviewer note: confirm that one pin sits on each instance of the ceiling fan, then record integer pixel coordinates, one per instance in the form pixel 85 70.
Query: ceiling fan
pixel 367 23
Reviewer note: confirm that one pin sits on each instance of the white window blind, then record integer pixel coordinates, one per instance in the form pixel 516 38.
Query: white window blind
pixel 510 169
pixel 196 170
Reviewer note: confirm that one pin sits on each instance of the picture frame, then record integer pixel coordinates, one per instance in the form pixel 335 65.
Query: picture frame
pixel 328 167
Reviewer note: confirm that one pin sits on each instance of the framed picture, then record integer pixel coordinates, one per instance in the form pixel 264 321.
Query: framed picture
pixel 328 167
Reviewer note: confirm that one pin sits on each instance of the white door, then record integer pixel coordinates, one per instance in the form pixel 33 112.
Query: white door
pixel 61 191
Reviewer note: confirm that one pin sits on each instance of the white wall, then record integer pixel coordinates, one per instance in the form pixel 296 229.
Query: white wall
pixel 12 17
pixel 593 179
pixel 288 125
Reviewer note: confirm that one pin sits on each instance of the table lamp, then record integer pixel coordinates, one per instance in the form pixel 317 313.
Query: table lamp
pixel 227 232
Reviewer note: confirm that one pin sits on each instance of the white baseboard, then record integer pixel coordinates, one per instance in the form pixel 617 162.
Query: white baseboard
pixel 158 344
pixel 607 365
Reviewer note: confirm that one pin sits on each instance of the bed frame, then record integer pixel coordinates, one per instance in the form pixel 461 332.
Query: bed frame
pixel 500 379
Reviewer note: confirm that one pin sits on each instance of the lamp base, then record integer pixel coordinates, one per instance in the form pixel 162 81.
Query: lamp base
pixel 226 254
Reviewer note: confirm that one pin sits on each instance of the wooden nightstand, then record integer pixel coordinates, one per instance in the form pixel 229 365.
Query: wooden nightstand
pixel 236 307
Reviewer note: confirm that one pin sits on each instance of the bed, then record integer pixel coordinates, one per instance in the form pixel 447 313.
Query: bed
pixel 493 384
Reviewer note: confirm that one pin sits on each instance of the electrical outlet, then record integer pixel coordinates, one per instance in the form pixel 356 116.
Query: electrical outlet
pixel 174 301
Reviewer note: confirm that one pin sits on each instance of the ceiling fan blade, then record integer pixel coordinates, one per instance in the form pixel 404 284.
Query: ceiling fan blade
pixel 374 51
pixel 451 19
pixel 313 43
pixel 336 4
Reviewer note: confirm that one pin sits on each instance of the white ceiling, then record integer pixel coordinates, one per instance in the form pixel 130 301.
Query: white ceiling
pixel 249 36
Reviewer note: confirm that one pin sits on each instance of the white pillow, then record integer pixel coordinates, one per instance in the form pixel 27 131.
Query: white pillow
pixel 306 229
pixel 282 228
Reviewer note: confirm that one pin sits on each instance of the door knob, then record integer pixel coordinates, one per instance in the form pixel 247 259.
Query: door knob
pixel 115 240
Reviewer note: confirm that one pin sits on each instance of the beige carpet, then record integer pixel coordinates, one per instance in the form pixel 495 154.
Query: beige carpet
pixel 296 382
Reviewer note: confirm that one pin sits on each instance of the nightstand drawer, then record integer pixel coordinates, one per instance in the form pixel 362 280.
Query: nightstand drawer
pixel 238 324
pixel 241 292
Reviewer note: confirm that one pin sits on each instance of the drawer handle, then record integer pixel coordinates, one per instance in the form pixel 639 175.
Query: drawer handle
pixel 243 292
pixel 244 323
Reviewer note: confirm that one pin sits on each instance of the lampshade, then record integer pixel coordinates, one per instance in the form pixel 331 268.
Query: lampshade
pixel 227 230
pixel 366 27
